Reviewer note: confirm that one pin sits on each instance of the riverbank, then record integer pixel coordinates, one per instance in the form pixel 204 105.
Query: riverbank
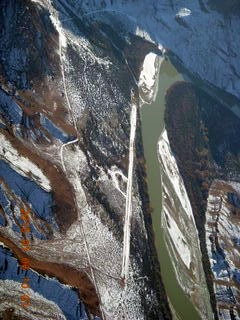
pixel 152 122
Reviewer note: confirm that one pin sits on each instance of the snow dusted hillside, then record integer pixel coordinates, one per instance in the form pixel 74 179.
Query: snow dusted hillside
pixel 68 110
pixel 68 118
pixel 205 40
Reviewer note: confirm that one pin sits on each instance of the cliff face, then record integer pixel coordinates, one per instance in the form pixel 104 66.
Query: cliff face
pixel 67 94
pixel 202 34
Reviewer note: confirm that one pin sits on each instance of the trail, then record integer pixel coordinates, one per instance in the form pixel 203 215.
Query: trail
pixel 61 151
pixel 133 121
pixel 68 105
pixel 90 265
pixel 128 207
pixel 92 12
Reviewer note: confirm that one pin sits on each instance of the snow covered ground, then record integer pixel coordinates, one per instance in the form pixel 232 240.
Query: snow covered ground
pixel 148 77
pixel 39 309
pixel 128 207
pixel 89 243
pixel 223 240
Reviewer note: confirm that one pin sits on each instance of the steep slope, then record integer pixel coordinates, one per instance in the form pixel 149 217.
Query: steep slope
pixel 68 118
pixel 202 34
pixel 66 97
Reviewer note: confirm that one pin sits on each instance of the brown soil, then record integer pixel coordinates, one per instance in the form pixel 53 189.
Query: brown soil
pixel 31 106
pixel 66 274
pixel 63 193
pixel 46 94
pixel 8 314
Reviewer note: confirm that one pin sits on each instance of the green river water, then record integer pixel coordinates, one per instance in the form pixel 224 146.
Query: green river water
pixel 152 117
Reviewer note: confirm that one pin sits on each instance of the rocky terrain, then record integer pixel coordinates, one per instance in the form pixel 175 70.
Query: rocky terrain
pixel 71 154
pixel 69 108
pixel 222 234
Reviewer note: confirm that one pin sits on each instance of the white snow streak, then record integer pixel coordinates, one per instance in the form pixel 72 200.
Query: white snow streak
pixel 113 173
pixel 171 170
pixel 61 152
pixel 62 37
pixel 178 239
pixel 128 209
pixel 22 165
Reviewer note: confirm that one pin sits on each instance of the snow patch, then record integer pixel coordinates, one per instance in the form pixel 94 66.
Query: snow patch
pixel 114 172
pixel 143 34
pixel 148 75
pixel 183 12
pixel 208 46
pixel 180 229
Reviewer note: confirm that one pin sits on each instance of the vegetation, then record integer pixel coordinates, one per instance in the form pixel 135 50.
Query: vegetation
pixel 189 140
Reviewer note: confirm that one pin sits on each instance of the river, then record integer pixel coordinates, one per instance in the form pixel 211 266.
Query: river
pixel 152 118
